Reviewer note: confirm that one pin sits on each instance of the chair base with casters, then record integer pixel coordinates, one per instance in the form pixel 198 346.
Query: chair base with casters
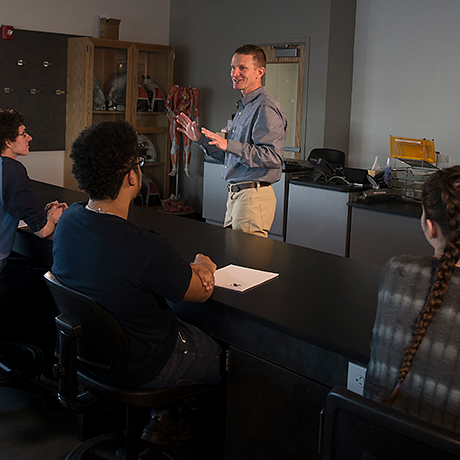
pixel 356 427
pixel 128 443
pixel 80 316
pixel 112 445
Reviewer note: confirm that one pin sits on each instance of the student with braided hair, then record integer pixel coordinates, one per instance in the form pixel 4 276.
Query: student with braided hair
pixel 415 351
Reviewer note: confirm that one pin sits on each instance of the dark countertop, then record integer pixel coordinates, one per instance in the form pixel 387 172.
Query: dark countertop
pixel 320 308
pixel 394 206
pixel 328 186
pixel 307 300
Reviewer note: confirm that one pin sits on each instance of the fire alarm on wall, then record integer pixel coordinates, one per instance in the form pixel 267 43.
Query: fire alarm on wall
pixel 7 32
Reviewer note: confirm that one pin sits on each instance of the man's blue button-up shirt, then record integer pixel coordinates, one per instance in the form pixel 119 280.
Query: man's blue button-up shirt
pixel 256 140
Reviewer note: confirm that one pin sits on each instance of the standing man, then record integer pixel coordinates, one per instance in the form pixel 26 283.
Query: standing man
pixel 26 307
pixel 253 152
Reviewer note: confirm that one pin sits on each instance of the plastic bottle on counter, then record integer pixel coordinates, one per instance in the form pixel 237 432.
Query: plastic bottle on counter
pixel 375 166
pixel 387 176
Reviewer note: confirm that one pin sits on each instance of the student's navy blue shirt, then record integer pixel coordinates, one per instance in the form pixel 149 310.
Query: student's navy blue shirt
pixel 17 202
pixel 130 271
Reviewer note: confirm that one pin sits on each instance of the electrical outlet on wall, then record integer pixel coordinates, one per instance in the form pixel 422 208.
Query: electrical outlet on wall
pixel 356 378
pixel 442 160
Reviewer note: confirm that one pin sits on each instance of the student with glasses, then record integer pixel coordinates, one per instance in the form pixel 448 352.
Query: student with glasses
pixel 23 294
pixel 133 272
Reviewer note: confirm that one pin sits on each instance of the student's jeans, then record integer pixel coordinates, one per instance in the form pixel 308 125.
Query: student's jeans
pixel 196 359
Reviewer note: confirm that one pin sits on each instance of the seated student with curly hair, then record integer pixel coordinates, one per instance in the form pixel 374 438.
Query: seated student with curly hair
pixel 415 352
pixel 133 272
pixel 26 307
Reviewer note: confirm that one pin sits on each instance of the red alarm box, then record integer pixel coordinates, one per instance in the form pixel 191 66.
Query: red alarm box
pixel 7 32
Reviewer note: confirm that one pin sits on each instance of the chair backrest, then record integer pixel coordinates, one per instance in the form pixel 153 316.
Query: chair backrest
pixel 359 428
pixel 103 346
pixel 335 158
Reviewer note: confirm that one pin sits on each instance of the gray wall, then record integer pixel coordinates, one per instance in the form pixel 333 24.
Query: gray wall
pixel 141 20
pixel 405 66
pixel 406 76
pixel 205 33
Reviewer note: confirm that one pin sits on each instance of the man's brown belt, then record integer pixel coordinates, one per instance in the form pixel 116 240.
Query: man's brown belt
pixel 237 187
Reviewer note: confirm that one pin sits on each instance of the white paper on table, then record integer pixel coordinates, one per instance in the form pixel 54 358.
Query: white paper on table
pixel 241 278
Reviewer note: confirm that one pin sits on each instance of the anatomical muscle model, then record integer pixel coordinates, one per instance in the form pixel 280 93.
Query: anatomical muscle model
pixel 186 100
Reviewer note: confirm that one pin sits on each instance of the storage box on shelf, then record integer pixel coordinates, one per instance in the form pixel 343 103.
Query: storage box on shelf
pixel 111 79
pixel 414 161
pixel 408 182
pixel 109 28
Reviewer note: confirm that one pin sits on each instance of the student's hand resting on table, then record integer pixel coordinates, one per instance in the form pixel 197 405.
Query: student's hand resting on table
pixel 53 213
pixel 205 268
pixel 54 210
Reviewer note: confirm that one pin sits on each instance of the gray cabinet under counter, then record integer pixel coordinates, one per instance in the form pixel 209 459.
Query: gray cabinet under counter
pixel 383 229
pixel 318 215
pixel 214 193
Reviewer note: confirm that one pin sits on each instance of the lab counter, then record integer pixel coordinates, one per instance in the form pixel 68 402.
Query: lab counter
pixel 331 218
pixel 318 215
pixel 289 340
pixel 382 229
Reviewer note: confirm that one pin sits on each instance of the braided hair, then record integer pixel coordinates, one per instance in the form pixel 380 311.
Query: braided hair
pixel 441 203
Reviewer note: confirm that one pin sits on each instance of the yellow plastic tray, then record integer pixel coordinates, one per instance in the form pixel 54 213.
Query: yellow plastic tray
pixel 412 149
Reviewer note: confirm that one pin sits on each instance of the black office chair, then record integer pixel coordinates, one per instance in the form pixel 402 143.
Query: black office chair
pixel 336 158
pixel 93 345
pixel 19 362
pixel 359 428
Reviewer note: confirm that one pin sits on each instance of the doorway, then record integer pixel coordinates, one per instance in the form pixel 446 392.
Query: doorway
pixel 284 80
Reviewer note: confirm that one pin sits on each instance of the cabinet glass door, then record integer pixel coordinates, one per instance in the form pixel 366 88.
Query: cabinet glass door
pixel 151 83
pixel 109 83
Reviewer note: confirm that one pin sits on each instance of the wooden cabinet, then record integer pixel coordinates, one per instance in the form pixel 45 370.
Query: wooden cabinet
pixel 117 69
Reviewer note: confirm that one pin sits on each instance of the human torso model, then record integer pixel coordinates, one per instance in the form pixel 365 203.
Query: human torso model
pixel 186 100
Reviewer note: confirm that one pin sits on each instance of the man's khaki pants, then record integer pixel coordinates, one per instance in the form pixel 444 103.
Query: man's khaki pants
pixel 251 210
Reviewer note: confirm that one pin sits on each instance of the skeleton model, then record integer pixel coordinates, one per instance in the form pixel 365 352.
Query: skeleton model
pixel 179 100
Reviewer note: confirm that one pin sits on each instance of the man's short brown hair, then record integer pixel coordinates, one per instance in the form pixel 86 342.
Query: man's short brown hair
pixel 256 52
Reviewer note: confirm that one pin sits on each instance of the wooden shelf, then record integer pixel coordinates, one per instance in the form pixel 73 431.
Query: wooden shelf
pixel 153 130
pixel 153 163
pixel 109 112
pixel 111 61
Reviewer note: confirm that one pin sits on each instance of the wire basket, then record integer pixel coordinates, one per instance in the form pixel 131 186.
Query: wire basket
pixel 408 182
